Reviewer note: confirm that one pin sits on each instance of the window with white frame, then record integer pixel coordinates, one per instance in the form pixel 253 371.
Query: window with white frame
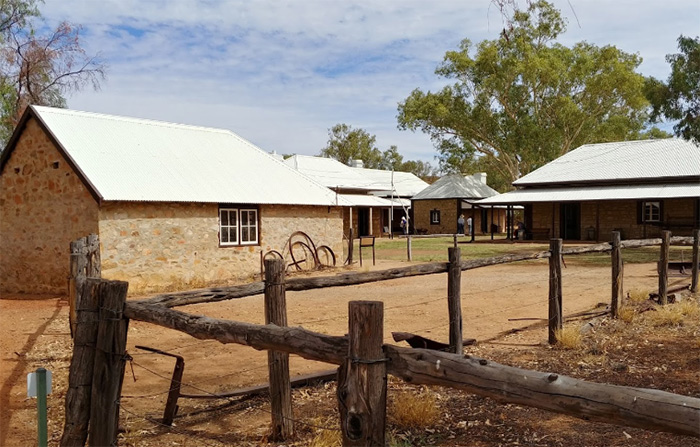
pixel 652 212
pixel 435 217
pixel 238 226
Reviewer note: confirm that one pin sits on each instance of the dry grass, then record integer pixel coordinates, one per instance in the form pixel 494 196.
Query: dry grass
pixel 410 410
pixel 673 314
pixel 627 314
pixel 569 337
pixel 326 438
pixel 637 295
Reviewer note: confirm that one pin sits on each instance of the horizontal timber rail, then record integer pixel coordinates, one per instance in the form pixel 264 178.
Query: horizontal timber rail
pixel 620 405
pixel 347 279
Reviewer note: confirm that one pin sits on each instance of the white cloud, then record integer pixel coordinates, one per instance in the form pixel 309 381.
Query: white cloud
pixel 280 73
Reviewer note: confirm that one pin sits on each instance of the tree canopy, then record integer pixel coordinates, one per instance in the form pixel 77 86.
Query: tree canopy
pixel 39 68
pixel 346 144
pixel 521 100
pixel 678 99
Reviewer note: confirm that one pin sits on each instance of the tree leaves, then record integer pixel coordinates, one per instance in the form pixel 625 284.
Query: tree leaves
pixel 679 98
pixel 39 68
pixel 522 100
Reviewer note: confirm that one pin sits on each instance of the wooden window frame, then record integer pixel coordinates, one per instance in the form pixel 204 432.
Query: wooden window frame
pixel 436 213
pixel 239 227
pixel 649 218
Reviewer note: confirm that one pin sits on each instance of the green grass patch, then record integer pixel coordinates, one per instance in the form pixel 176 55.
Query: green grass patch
pixel 435 250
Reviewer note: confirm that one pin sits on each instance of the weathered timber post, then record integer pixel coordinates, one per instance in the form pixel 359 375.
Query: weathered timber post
pixel 174 393
pixel 454 244
pixel 617 274
pixel 555 290
pixel 409 254
pixel 454 299
pixel 94 261
pixel 663 267
pixel 110 358
pixel 84 262
pixel 278 362
pixel 78 267
pixel 75 430
pixel 696 261
pixel 351 246
pixel 362 377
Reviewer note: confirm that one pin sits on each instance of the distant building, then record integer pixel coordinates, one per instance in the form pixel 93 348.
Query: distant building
pixel 437 208
pixel 637 187
pixel 373 193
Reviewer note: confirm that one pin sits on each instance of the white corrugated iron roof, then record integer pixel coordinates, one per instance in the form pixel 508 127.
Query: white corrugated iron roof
pixel 129 159
pixel 330 173
pixel 456 186
pixel 623 160
pixel 406 184
pixel 575 194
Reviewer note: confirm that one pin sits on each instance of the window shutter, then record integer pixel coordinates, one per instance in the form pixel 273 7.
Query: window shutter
pixel 640 212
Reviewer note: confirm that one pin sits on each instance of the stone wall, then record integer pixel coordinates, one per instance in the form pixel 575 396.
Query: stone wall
pixel 603 217
pixel 175 246
pixel 44 205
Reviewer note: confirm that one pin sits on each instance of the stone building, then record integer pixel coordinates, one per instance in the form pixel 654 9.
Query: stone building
pixel 636 187
pixel 378 198
pixel 175 206
pixel 437 208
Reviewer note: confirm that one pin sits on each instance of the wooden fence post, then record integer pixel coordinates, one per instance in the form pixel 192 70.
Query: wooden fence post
pixel 75 429
pixel 696 261
pixel 362 377
pixel 663 267
pixel 454 299
pixel 617 274
pixel 351 246
pixel 278 362
pixel 555 290
pixel 76 278
pixel 110 358
pixel 409 254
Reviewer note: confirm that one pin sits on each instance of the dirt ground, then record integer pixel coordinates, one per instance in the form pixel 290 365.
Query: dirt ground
pixel 495 300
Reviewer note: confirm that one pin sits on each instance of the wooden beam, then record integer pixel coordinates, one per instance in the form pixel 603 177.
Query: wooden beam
pixel 617 272
pixel 696 261
pixel 555 290
pixel 75 430
pixel 110 359
pixel 454 299
pixel 282 427
pixel 362 377
pixel 620 405
pixel 663 267
pixel 346 279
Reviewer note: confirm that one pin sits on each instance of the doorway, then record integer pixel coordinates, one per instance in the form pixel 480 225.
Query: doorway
pixel 363 221
pixel 570 221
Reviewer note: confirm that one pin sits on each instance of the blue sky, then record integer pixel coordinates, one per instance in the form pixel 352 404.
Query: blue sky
pixel 280 74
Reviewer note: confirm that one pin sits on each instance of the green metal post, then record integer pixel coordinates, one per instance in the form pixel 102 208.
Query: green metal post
pixel 41 407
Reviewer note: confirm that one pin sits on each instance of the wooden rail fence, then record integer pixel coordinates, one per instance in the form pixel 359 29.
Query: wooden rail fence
pixel 96 374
